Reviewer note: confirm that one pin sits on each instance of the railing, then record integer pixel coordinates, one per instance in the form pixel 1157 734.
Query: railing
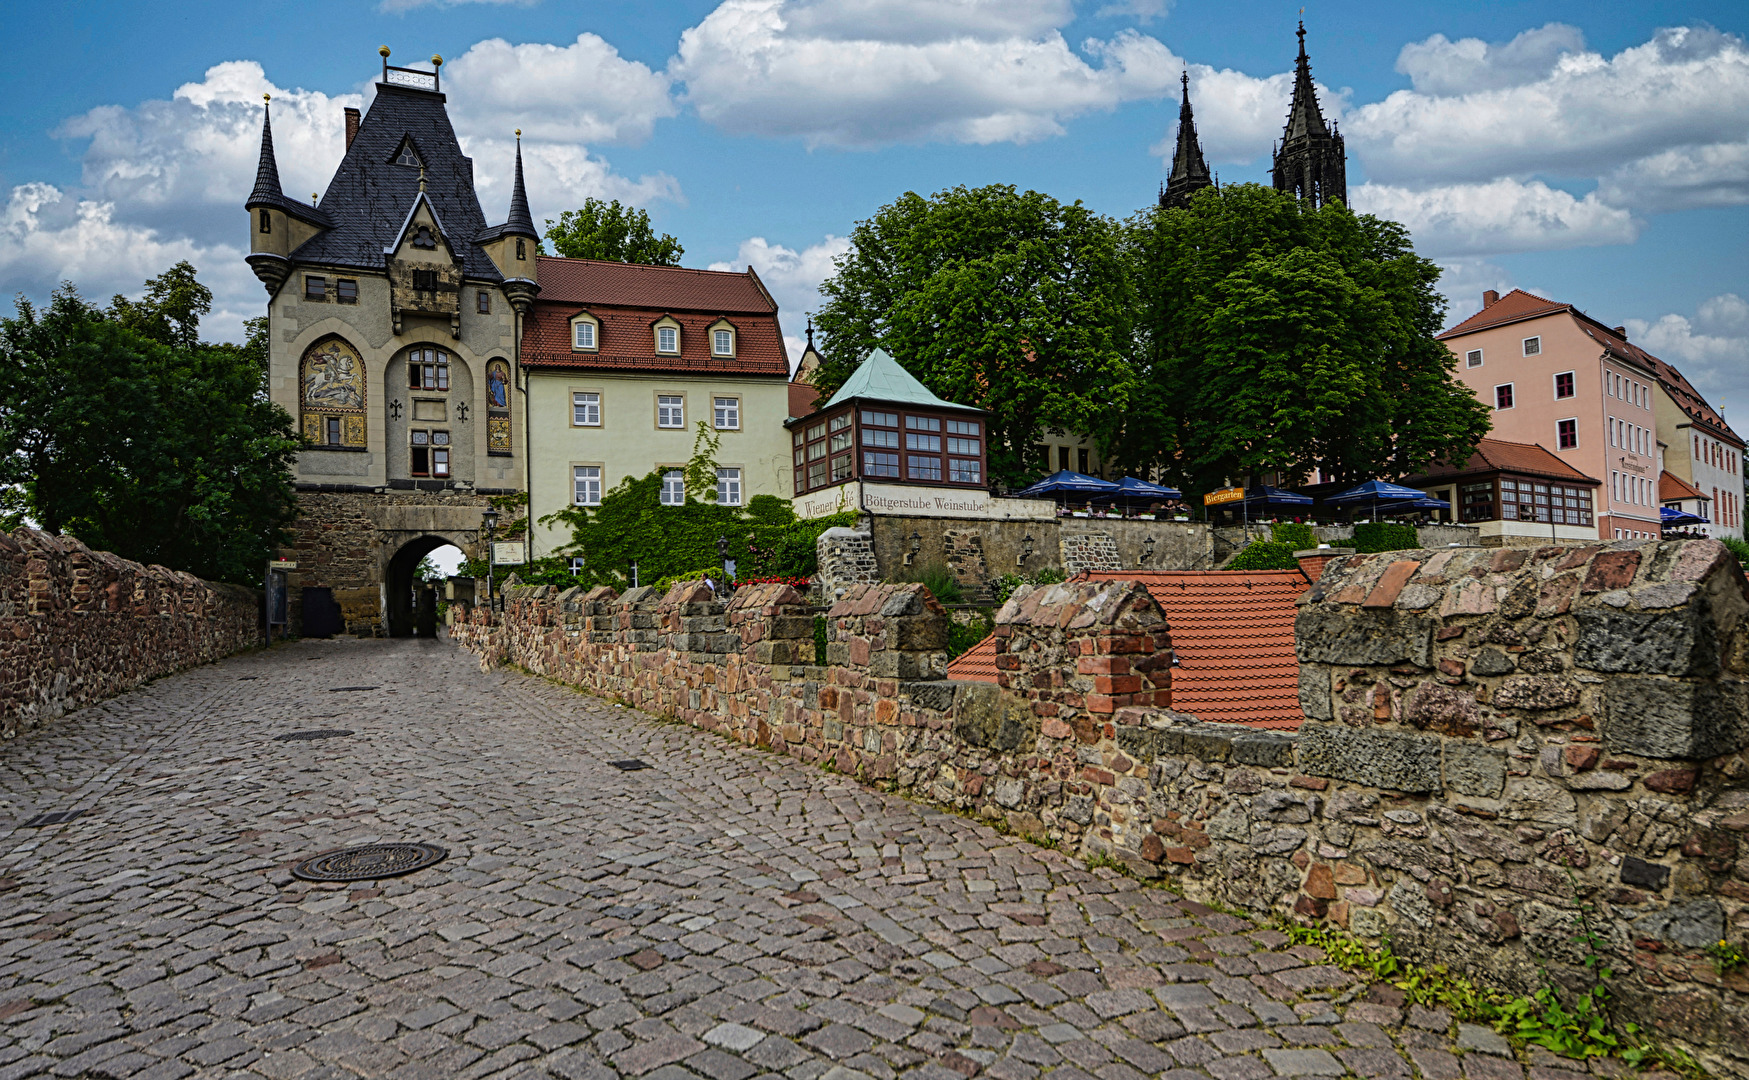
pixel 413 78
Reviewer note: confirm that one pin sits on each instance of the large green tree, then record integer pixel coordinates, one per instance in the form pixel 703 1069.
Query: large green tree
pixel 123 429
pixel 607 230
pixel 1274 336
pixel 1007 300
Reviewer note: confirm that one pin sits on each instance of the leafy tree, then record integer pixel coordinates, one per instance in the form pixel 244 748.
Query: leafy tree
pixel 115 428
pixel 1278 337
pixel 1007 300
pixel 607 230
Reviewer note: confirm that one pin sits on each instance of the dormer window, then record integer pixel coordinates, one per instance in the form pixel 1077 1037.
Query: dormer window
pixel 667 339
pixel 407 157
pixel 585 334
pixel 722 343
pixel 422 238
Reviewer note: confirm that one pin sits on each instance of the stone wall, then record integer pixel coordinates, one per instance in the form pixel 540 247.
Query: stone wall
pixel 1499 740
pixel 78 626
pixel 1178 545
pixel 1089 553
pixel 846 557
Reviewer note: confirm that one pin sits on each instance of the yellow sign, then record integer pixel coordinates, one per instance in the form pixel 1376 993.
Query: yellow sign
pixel 1225 495
pixel 282 564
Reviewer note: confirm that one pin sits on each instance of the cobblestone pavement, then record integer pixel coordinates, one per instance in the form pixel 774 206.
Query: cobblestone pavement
pixel 725 913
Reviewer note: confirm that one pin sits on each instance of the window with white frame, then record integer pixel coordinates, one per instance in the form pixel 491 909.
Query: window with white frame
pixel 1533 346
pixel 586 410
pixel 673 488
pixel 667 339
pixel 727 414
pixel 728 487
pixel 1503 396
pixel 1567 434
pixel 1564 385
pixel 586 485
pixel 583 334
pixel 723 343
pixel 670 411
pixel 1473 358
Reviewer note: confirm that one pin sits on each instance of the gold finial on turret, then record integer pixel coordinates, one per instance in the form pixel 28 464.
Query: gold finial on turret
pixel 383 52
pixel 266 97
pixel 313 198
pixel 436 60
pixel 519 133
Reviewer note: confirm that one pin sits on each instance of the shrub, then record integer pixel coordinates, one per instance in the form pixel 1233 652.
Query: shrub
pixel 1266 555
pixel 1739 549
pixel 935 577
pixel 662 585
pixel 1296 533
pixel 1384 536
pixel 1002 587
pixel 961 636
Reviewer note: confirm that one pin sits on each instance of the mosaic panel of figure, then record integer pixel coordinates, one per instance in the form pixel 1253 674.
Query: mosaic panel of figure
pixel 332 398
pixel 498 406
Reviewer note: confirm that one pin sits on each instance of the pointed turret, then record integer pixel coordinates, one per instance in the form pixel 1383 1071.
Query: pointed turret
pixel 513 245
pixel 267 191
pixel 1311 161
pixel 280 224
pixel 520 222
pixel 1190 173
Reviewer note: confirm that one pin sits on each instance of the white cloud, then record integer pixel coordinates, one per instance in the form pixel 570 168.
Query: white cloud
pixel 1442 67
pixel 1463 281
pixel 1143 11
pixel 871 72
pixel 1687 86
pixel 1712 349
pixel 792 277
pixel 581 92
pixel 1682 178
pixel 1497 216
pixel 1239 116
pixel 559 177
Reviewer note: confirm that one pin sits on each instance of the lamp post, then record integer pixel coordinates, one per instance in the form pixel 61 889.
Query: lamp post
pixel 490 519
pixel 916 539
pixel 1026 543
pixel 1147 549
pixel 728 563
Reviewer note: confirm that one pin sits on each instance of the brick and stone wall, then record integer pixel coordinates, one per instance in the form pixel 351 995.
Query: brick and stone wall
pixel 1089 553
pixel 1499 739
pixel 846 557
pixel 78 626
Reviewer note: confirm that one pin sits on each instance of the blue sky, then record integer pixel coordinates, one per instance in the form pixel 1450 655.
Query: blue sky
pixel 1594 153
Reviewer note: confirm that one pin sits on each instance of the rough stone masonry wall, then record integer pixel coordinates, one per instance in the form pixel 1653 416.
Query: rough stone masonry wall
pixel 78 626
pixel 1497 738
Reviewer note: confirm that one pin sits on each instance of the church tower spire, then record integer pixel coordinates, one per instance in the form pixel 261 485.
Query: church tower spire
pixel 520 222
pixel 1311 161
pixel 267 190
pixel 1190 173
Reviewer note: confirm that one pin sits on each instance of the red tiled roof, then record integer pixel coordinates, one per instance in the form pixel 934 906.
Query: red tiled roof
pixel 660 288
pixel 1512 307
pixel 803 397
pixel 1233 633
pixel 1498 455
pixel 1672 488
pixel 976 664
pixel 628 342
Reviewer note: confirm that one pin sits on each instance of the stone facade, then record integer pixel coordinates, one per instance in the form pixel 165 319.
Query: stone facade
pixel 846 557
pixel 1497 738
pixel 1089 553
pixel 78 626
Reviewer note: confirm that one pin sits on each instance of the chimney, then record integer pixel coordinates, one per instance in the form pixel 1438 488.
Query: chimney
pixel 1621 332
pixel 1312 561
pixel 351 127
pixel 1490 298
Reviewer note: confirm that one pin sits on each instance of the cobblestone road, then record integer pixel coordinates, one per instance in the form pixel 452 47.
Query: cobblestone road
pixel 726 913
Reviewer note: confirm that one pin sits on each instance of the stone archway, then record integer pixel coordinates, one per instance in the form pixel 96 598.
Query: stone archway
pixel 398 599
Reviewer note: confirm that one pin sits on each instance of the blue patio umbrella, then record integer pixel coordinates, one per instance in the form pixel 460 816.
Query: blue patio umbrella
pixel 1374 492
pixel 1672 516
pixel 1064 483
pixel 1425 503
pixel 1131 491
pixel 1264 495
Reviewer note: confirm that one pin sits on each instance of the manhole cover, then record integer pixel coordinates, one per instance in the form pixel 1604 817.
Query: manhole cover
pixel 369 862
pixel 345 689
pixel 307 736
pixel 60 817
pixel 629 765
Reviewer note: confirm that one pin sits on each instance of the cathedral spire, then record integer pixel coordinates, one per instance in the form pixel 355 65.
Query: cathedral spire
pixel 1311 161
pixel 267 190
pixel 520 222
pixel 1190 173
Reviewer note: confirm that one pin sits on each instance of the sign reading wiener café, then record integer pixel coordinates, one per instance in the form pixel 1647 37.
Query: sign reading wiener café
pixel 901 500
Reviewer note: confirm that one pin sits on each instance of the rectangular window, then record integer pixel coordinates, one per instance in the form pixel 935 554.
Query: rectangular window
pixel 1473 358
pixel 962 446
pixel 840 422
pixel 817 474
pixel 1062 459
pixel 673 488
pixel 1533 346
pixel 440 461
pixel 346 291
pixel 964 472
pixel 880 464
pixel 877 437
pixel 880 419
pixel 1081 456
pixel 420 459
pixel 841 467
pixel 425 281
pixel 586 410
pixel 428 369
pixel 924 468
pixel 723 343
pixel 816 451
pixel 1566 434
pixel 315 288
pixel 840 441
pixel 333 432
pixel 728 487
pixel 667 340
pixel 818 431
pixel 1503 396
pixel 482 301
pixel 670 411
pixel 728 414
pixel 926 443
pixel 962 427
pixel 583 335
pixel 586 485
pixel 1476 501
pixel 922 423
pixel 1564 385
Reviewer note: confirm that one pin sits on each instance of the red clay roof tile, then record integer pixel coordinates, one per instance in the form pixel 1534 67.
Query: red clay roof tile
pixel 1498 455
pixel 977 664
pixel 1672 487
pixel 593 281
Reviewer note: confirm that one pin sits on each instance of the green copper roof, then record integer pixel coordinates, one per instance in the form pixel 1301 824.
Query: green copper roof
pixel 880 378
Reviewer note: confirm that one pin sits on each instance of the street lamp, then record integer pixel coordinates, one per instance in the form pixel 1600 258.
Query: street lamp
pixel 916 539
pixel 1025 550
pixel 490 519
pixel 1147 549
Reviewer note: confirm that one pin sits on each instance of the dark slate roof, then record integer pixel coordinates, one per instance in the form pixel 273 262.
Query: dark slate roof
pixel 267 191
pixel 1304 117
pixel 1187 161
pixel 370 196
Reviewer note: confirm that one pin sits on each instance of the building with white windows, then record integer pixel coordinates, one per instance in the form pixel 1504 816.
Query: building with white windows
pixel 625 361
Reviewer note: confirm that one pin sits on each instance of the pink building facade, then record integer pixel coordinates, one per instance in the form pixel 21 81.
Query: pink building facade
pixel 1557 378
